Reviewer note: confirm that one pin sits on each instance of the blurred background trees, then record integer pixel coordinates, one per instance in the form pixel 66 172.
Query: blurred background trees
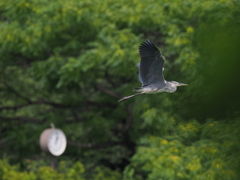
pixel 68 62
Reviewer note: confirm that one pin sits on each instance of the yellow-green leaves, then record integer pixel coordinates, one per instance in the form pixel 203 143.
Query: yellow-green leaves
pixel 187 153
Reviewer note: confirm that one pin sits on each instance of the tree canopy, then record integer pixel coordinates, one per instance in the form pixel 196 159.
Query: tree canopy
pixel 68 62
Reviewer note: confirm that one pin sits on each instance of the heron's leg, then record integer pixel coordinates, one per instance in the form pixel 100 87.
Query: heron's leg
pixel 130 96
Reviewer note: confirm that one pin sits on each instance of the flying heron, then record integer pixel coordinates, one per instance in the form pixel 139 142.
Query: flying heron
pixel 151 72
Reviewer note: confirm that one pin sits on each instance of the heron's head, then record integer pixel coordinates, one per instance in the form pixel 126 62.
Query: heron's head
pixel 178 84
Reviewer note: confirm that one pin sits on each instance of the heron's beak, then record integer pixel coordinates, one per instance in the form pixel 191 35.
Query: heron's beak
pixel 181 84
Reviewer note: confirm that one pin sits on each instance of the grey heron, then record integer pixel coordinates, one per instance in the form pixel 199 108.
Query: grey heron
pixel 151 72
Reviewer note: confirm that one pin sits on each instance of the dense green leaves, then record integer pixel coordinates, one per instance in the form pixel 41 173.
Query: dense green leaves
pixel 187 150
pixel 65 170
pixel 68 62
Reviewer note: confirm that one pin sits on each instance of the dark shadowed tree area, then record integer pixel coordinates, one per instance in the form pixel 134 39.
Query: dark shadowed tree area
pixel 68 62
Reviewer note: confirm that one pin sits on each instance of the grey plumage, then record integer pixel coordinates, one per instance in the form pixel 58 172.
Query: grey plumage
pixel 151 72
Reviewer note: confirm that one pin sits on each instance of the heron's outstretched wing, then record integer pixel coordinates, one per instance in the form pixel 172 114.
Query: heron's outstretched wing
pixel 151 65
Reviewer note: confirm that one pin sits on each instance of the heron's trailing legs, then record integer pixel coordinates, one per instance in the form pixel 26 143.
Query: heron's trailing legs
pixel 124 98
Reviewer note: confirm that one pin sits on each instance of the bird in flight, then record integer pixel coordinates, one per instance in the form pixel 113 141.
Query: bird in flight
pixel 151 72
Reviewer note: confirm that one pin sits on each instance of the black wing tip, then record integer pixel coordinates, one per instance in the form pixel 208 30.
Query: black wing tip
pixel 147 48
pixel 146 43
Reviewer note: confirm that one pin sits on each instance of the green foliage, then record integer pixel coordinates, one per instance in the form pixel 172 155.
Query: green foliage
pixel 68 62
pixel 64 171
pixel 102 173
pixel 189 151
pixel 11 172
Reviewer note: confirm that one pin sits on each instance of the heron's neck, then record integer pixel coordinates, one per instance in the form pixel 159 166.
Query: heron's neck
pixel 171 87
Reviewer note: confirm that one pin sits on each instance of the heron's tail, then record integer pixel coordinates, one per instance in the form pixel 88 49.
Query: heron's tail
pixel 130 96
